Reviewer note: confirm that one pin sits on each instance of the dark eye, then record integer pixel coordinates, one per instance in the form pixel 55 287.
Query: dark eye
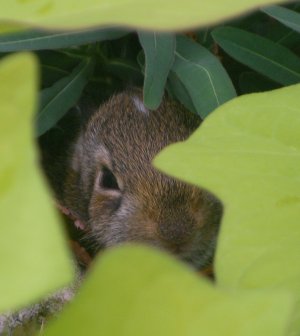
pixel 108 180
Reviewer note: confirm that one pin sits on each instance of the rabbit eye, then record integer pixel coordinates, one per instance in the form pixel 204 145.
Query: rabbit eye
pixel 108 180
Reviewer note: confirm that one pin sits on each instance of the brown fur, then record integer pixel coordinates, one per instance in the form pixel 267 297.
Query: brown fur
pixel 150 207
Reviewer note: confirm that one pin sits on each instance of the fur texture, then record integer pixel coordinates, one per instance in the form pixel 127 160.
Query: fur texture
pixel 121 138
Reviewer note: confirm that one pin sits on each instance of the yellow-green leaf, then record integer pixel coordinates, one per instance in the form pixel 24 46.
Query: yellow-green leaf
pixel 33 256
pixel 138 291
pixel 248 153
pixel 153 14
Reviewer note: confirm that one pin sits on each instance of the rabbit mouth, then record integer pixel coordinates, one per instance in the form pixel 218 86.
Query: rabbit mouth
pixel 200 258
pixel 199 261
pixel 84 252
pixel 76 230
pixel 72 216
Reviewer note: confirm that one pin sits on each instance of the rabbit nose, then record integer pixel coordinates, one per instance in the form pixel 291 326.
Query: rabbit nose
pixel 176 232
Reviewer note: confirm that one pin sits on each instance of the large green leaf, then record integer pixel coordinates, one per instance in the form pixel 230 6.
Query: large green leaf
pixel 286 16
pixel 159 56
pixel 203 76
pixel 147 13
pixel 37 40
pixel 248 153
pixel 59 98
pixel 137 291
pixel 269 58
pixel 33 257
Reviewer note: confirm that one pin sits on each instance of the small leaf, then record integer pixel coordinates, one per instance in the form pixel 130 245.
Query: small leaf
pixel 159 54
pixel 203 76
pixel 33 256
pixel 137 291
pixel 58 99
pixel 286 16
pixel 38 40
pixel 262 55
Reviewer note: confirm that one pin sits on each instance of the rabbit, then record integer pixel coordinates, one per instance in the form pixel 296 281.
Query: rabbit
pixel 105 179
pixel 99 164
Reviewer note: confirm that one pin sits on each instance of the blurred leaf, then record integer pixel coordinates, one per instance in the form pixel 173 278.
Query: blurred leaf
pixel 151 14
pixel 178 91
pixel 6 28
pixel 248 153
pixel 159 55
pixel 138 291
pixel 38 40
pixel 33 256
pixel 262 55
pixel 250 82
pixel 203 76
pixel 286 16
pixel 58 99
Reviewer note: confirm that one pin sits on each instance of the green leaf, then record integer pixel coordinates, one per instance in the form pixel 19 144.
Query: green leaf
pixel 38 40
pixel 50 75
pixel 159 55
pixel 203 76
pixel 286 16
pixel 250 82
pixel 289 40
pixel 248 153
pixel 151 14
pixel 264 56
pixel 138 291
pixel 54 65
pixel 124 69
pixel 33 256
pixel 58 59
pixel 178 91
pixel 204 38
pixel 58 99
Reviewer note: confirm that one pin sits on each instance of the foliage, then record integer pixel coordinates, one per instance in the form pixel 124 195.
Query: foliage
pixel 159 52
pixel 152 294
pixel 189 67
pixel 33 256
pixel 151 14
pixel 60 97
pixel 247 152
